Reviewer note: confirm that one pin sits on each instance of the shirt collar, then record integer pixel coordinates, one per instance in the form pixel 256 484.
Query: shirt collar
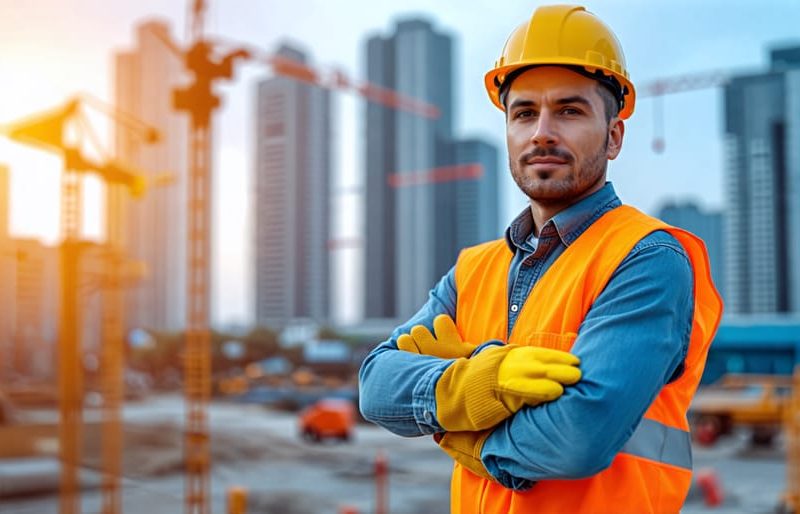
pixel 569 223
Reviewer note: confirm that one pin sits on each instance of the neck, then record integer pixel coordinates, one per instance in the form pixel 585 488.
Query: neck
pixel 542 211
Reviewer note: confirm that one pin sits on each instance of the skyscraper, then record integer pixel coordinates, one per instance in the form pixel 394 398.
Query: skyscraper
pixel 156 224
pixel 477 199
pixel 762 127
pixel 36 302
pixel 427 194
pixel 402 221
pixel 708 226
pixel 292 202
pixel 380 261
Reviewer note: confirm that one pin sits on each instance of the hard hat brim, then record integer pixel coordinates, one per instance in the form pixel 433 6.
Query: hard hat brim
pixel 494 80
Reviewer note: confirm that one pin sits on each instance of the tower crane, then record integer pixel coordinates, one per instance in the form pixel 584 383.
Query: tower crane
pixel 790 502
pixel 659 88
pixel 50 131
pixel 199 101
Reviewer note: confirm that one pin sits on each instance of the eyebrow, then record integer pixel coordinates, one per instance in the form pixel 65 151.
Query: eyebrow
pixel 576 99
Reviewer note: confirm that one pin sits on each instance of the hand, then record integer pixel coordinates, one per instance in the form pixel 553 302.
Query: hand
pixel 465 448
pixel 447 344
pixel 480 392
pixel 530 375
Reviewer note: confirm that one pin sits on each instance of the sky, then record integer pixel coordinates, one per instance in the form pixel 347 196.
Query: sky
pixel 50 49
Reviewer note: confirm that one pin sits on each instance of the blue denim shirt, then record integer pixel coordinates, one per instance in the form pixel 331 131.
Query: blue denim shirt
pixel 632 342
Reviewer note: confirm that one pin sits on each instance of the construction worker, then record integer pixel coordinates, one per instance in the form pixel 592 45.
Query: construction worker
pixel 556 365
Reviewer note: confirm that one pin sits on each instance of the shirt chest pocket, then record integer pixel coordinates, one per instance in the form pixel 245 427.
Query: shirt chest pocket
pixel 552 340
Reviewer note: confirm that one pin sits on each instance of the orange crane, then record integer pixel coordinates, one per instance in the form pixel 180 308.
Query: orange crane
pixel 450 173
pixel 658 88
pixel 49 131
pixel 199 101
pixel 336 80
pixel 113 351
pixel 116 276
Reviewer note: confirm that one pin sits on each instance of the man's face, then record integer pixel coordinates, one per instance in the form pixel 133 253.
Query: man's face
pixel 559 142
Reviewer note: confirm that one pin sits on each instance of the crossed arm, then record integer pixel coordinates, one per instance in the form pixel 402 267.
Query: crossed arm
pixel 631 343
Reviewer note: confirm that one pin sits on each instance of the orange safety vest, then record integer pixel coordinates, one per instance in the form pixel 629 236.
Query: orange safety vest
pixel 652 472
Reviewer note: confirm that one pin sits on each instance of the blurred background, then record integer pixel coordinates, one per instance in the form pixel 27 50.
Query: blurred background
pixel 211 211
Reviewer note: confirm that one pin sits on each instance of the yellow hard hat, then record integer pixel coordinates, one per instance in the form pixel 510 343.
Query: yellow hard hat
pixel 565 35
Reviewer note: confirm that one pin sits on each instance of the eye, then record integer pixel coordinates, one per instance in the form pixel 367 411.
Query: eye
pixel 570 111
pixel 524 113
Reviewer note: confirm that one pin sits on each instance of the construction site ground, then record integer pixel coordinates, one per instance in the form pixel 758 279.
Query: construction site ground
pixel 260 449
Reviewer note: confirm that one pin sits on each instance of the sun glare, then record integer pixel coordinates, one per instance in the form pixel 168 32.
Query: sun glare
pixel 33 84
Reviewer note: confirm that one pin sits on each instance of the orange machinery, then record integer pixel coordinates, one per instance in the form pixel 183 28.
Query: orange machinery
pixel 328 419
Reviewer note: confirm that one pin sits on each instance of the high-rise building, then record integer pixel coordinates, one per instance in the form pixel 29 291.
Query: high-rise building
pixel 36 306
pixel 477 200
pixel 380 261
pixel 708 226
pixel 762 127
pixel 155 224
pixel 292 202
pixel 29 287
pixel 402 222
pixel 427 194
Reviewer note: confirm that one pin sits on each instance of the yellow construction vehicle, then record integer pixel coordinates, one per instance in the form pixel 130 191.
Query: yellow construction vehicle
pixel 755 401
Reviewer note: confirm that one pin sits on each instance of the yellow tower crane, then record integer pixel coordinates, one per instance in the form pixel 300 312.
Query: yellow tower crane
pixel 64 131
pixel 199 101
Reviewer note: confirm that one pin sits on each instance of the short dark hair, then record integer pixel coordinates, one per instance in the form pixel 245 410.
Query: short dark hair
pixel 610 103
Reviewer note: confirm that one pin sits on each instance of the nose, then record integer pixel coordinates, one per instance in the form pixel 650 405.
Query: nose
pixel 545 133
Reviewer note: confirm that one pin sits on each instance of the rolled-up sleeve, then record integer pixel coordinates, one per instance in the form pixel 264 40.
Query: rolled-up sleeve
pixel 397 389
pixel 632 342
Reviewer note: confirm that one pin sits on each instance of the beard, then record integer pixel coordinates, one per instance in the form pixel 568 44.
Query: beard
pixel 543 186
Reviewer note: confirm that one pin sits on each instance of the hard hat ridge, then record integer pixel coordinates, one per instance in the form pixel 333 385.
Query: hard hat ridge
pixel 569 36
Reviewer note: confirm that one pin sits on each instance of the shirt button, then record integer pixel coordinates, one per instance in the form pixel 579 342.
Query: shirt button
pixel 514 307
pixel 428 416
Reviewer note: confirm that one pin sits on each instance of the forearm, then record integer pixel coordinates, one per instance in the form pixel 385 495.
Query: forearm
pixel 397 390
pixel 575 437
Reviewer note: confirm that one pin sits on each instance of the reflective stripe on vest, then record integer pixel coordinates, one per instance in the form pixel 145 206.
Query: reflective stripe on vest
pixel 658 442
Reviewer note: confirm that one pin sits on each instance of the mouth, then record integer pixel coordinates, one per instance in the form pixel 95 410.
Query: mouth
pixel 546 161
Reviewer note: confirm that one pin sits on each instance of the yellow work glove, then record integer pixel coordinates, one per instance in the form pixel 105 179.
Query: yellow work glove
pixel 478 393
pixel 447 344
pixel 465 448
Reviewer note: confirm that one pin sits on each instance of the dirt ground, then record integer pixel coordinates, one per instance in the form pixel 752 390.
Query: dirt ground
pixel 261 450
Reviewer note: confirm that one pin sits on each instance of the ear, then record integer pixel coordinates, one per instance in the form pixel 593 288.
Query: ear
pixel 616 133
